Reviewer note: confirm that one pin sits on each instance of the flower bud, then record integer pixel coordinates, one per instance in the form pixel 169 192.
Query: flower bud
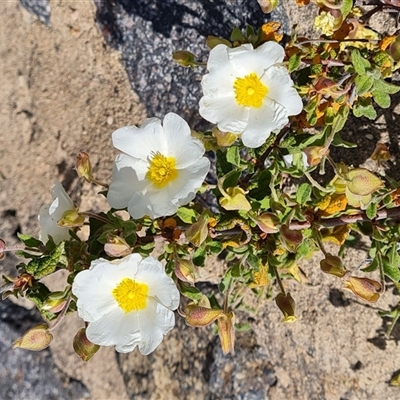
pixel 381 153
pixel 224 139
pixel 286 305
pixel 226 332
pixel 83 346
pixel 83 166
pixel 394 49
pixel 268 6
pixel 184 58
pixel 198 232
pixel 35 339
pixel 235 199
pixel 199 316
pixel 267 222
pixel 290 239
pixel 362 182
pixel 185 271
pixel 116 246
pixel 365 288
pixel 315 154
pixel 71 219
pixel 55 302
pixel 333 265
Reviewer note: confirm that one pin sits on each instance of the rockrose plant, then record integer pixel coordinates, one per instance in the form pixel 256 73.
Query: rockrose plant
pixel 275 106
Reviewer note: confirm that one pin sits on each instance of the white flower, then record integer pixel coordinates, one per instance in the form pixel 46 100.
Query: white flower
pixel 161 169
pixel 49 215
pixel 127 302
pixel 248 92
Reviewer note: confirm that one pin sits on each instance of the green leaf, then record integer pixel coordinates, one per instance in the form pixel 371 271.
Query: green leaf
pixel 303 193
pixel 233 156
pixel 187 215
pixel 294 62
pixel 199 256
pixel 391 270
pixel 346 7
pixel 237 35
pixel 393 263
pixel 28 241
pixel 371 210
pixel 363 84
pixel 359 62
pixel 43 266
pixel 386 87
pixel 362 108
pixel 339 142
pixel 214 247
pixel 191 292
pixel 381 98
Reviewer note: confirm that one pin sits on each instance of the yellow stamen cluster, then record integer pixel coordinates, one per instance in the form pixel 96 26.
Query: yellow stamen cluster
pixel 131 295
pixel 250 91
pixel 162 170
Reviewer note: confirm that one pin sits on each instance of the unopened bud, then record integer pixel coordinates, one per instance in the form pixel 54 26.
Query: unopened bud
pixel 362 182
pixel 268 6
pixel 83 166
pixel 83 346
pixel 226 332
pixel 365 288
pixel 55 302
pixel 333 265
pixel 198 232
pixel 290 238
pixel 394 49
pixel 185 271
pixel 116 246
pixel 235 199
pixel 286 305
pixel 315 154
pixel 184 58
pixel 71 219
pixel 199 316
pixel 36 339
pixel 224 139
pixel 267 222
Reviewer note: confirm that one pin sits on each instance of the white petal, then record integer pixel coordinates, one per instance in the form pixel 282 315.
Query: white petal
pixel 115 328
pixel 155 321
pixel 188 181
pixel 125 181
pixel 280 89
pixel 161 286
pixel 160 203
pixel 225 112
pixel 94 298
pixel 140 205
pixel 259 128
pixel 245 60
pixel 218 56
pixel 62 202
pixel 50 227
pixel 140 142
pixel 185 149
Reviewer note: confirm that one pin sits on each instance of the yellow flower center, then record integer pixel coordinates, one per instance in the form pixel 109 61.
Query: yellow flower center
pixel 162 170
pixel 131 295
pixel 250 91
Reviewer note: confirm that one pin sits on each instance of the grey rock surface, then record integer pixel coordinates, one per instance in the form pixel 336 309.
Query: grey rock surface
pixel 30 375
pixel 148 32
pixel 40 8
